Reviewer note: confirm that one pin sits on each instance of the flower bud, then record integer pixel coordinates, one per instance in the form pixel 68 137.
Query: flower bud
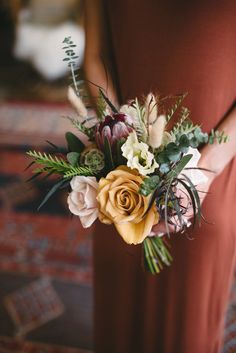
pixel 114 128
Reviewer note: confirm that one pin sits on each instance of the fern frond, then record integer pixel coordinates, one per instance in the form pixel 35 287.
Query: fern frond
pixel 55 165
pixel 175 106
pixel 74 171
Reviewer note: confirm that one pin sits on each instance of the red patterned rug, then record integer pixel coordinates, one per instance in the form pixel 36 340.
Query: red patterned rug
pixel 46 256
pixel 48 242
pixel 8 345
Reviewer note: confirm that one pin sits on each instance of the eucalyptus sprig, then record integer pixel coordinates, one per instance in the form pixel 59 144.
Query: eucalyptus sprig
pixel 71 59
pixel 218 136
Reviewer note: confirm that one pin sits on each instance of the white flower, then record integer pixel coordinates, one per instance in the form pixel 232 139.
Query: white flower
pixel 195 175
pixel 138 155
pixel 82 200
pixel 156 131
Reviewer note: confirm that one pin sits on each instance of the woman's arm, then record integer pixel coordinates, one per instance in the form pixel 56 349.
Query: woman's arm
pixel 215 157
pixel 94 52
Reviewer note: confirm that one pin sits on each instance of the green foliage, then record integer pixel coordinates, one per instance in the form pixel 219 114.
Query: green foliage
pixel 88 131
pixel 70 59
pixel 73 158
pixel 139 121
pixel 108 155
pixel 172 154
pixel 156 254
pixel 183 128
pixel 74 171
pixel 179 167
pixel 107 100
pixel 51 192
pixel 175 107
pixel 56 165
pixel 149 185
pixel 101 106
pixel 73 142
pixel 217 136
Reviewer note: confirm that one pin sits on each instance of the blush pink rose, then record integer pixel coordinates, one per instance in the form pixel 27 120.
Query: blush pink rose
pixel 82 200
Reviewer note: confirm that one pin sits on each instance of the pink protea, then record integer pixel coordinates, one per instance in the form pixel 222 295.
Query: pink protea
pixel 114 127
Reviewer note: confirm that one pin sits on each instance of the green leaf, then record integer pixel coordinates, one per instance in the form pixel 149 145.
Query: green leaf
pixel 51 192
pixel 74 143
pixel 107 100
pixel 73 158
pixel 175 106
pixel 162 157
pixel 108 154
pixel 149 185
pixel 194 142
pixel 179 167
pixel 173 152
pixel 184 143
pixel 164 168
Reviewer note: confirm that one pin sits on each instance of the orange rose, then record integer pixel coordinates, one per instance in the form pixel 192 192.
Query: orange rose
pixel 120 203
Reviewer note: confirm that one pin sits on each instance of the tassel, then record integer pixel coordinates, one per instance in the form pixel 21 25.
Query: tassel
pixel 150 109
pixel 77 103
pixel 156 131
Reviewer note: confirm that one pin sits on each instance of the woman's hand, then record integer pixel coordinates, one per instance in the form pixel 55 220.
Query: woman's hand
pixel 214 158
pixel 203 189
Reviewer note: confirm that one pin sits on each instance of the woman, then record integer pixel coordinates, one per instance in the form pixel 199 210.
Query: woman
pixel 169 46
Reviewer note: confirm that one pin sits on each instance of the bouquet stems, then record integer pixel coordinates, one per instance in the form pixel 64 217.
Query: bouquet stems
pixel 156 254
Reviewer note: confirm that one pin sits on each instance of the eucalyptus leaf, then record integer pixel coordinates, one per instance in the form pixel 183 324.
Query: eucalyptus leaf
pixel 149 185
pixel 164 168
pixel 162 157
pixel 73 158
pixel 51 192
pixel 194 142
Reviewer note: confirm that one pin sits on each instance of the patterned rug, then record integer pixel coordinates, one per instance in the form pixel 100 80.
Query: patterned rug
pixel 48 242
pixel 8 345
pixel 33 305
pixel 45 257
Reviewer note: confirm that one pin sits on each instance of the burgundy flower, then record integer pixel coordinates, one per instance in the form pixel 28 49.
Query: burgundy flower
pixel 114 128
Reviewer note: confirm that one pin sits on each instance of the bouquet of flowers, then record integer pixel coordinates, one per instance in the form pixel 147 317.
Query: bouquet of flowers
pixel 131 171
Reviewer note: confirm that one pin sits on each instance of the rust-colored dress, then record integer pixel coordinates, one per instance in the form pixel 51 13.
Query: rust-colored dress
pixel 172 46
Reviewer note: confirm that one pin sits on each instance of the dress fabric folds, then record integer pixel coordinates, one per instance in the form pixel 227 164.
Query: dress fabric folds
pixel 170 47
